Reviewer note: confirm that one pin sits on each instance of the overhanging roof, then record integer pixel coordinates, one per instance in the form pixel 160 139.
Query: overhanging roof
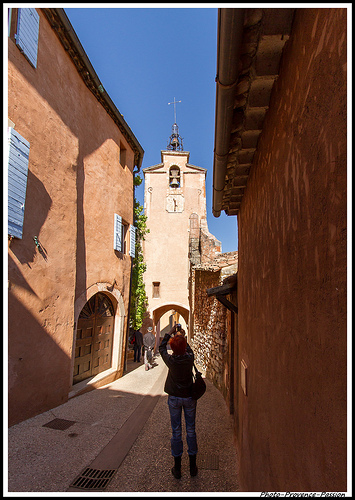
pixel 220 292
pixel 249 49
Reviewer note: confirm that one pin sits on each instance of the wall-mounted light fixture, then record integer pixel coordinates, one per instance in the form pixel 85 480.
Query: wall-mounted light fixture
pixel 37 242
pixel 111 287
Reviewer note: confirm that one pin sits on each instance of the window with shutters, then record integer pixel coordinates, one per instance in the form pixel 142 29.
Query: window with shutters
pixel 132 247
pixel 18 155
pixel 124 236
pixel 117 241
pixel 9 19
pixel 27 34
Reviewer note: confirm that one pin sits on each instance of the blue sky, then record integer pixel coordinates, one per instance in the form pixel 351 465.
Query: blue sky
pixel 146 57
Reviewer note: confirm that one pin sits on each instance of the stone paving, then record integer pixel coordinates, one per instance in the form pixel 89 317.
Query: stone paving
pixel 128 418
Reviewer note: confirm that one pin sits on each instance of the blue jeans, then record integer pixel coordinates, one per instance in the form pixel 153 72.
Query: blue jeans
pixel 175 407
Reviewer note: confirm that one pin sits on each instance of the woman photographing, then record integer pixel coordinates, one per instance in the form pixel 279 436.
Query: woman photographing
pixel 178 386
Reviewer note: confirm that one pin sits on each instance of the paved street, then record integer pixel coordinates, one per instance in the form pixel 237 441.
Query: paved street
pixel 122 429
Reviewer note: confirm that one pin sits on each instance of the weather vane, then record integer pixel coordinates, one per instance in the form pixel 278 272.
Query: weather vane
pixel 175 141
pixel 174 102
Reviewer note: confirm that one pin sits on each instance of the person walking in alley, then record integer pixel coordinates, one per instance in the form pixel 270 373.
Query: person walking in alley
pixel 149 343
pixel 137 345
pixel 178 386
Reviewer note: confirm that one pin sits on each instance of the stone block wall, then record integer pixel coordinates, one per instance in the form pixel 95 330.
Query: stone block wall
pixel 209 332
pixel 210 247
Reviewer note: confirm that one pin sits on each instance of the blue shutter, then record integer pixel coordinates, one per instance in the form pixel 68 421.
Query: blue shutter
pixel 132 247
pixel 117 244
pixel 27 34
pixel 19 150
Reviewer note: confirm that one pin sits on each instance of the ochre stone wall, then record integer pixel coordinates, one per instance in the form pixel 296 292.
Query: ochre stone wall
pixel 75 185
pixel 292 322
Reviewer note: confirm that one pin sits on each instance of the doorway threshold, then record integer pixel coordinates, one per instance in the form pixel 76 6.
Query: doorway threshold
pixel 94 382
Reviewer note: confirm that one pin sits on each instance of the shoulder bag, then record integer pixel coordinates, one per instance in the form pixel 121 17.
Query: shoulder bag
pixel 198 386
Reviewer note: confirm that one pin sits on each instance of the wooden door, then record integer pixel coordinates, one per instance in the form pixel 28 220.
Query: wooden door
pixel 93 348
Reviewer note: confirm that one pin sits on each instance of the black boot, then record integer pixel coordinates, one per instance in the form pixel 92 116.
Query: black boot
pixel 193 466
pixel 176 470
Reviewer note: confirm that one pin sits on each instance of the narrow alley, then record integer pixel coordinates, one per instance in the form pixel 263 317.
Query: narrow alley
pixel 234 225
pixel 122 428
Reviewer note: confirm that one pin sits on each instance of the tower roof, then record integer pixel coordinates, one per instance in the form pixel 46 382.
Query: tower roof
pixel 175 141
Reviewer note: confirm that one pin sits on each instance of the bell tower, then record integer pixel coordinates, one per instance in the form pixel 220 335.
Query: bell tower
pixel 175 205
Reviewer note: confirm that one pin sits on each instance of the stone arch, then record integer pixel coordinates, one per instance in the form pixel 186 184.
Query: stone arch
pixel 118 334
pixel 160 310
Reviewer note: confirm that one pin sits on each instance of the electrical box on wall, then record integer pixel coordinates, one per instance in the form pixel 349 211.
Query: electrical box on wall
pixel 243 376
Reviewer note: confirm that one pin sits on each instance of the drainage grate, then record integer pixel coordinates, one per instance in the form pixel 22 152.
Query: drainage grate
pixel 208 461
pixel 59 423
pixel 93 479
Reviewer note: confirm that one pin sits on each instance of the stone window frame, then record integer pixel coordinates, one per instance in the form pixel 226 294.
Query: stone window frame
pixel 156 289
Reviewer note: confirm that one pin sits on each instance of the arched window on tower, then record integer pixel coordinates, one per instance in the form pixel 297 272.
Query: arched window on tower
pixel 174 177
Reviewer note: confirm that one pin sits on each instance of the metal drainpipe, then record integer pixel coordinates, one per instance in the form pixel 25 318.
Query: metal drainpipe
pixel 229 39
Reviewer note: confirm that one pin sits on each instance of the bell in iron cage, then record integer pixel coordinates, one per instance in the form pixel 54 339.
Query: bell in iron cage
pixel 174 183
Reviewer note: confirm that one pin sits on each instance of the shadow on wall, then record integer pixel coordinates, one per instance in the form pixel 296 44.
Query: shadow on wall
pixel 33 387
pixel 37 206
pixel 17 278
pixel 80 281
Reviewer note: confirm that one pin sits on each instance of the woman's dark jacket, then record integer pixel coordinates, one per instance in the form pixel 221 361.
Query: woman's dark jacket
pixel 179 380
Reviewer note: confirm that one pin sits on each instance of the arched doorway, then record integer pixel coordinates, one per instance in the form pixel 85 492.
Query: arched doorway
pixel 93 346
pixel 171 313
